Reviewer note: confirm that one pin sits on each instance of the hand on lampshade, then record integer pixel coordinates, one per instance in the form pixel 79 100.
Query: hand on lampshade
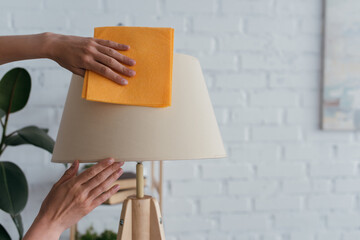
pixel 79 53
pixel 74 53
pixel 73 197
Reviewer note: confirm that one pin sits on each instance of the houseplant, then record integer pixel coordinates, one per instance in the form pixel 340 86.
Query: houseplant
pixel 15 89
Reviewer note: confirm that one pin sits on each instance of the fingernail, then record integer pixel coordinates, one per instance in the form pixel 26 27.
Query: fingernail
pixel 132 72
pixel 132 62
pixel 110 161
pixel 119 170
pixel 123 81
pixel 117 187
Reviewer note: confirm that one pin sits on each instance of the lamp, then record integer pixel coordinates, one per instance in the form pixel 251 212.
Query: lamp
pixel 186 130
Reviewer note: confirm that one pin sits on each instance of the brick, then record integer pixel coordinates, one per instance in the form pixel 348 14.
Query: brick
pixel 224 204
pixel 282 170
pixel 278 203
pixel 179 170
pixel 242 222
pixel 88 21
pixel 306 186
pixel 292 221
pixel 242 43
pixel 278 98
pixel 263 25
pixel 233 133
pixel 188 6
pixel 297 44
pixel 198 188
pixel 295 81
pixel 35 20
pixel 176 22
pixel 253 187
pixel 220 61
pixel 224 171
pixel 53 5
pixel 194 43
pixel 256 115
pixel 308 152
pixel 136 7
pixel 188 224
pixel 347 185
pixel 255 61
pixel 227 98
pixel 258 152
pixel 328 169
pixel 344 220
pixel 183 206
pixel 4 20
pixel 351 235
pixel 329 235
pixel 275 133
pixel 299 8
pixel 348 152
pixel 241 81
pixel 333 202
pixel 311 26
pixel 246 7
pixel 303 116
pixel 214 25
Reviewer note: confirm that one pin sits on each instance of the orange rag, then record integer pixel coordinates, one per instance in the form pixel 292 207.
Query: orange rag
pixel 152 49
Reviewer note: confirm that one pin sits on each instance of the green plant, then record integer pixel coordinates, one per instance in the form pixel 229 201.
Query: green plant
pixel 15 89
pixel 90 234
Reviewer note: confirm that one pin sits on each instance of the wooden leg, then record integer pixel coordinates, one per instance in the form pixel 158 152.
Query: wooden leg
pixel 73 230
pixel 141 220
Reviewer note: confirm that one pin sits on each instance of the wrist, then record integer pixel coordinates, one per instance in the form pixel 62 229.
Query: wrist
pixel 48 40
pixel 43 229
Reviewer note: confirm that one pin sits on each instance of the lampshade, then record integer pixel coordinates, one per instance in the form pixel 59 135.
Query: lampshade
pixel 90 131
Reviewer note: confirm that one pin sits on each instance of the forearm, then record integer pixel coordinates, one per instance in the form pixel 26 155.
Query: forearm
pixel 42 229
pixel 22 47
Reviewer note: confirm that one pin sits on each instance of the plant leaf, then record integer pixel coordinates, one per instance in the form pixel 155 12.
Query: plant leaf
pixel 31 135
pixel 15 140
pixel 13 188
pixel 15 89
pixel 4 234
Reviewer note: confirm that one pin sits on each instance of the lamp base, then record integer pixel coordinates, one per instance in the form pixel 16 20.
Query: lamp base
pixel 141 220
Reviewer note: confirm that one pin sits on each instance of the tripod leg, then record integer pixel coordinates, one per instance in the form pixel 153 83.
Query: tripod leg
pixel 156 222
pixel 125 225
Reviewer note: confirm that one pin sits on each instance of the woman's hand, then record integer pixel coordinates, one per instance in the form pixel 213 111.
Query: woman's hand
pixel 80 53
pixel 73 197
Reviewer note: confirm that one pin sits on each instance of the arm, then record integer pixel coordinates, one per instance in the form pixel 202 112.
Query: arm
pixel 74 53
pixel 73 197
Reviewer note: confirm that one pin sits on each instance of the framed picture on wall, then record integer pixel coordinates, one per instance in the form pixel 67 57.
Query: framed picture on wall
pixel 341 90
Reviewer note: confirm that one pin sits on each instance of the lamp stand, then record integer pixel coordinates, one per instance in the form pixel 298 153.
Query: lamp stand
pixel 140 217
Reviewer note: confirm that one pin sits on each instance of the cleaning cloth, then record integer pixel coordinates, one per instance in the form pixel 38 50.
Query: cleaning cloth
pixel 152 49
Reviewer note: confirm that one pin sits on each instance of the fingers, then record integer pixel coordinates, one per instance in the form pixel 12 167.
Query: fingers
pixel 107 72
pixel 105 196
pixel 104 176
pixel 114 64
pixel 111 44
pixel 94 170
pixel 71 172
pixel 104 185
pixel 116 55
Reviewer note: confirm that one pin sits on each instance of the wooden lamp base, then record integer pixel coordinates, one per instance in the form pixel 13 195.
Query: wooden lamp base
pixel 141 220
pixel 140 216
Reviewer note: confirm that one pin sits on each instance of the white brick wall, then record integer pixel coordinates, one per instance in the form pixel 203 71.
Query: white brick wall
pixel 284 178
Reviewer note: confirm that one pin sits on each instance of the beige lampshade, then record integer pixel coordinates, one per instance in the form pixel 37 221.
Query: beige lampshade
pixel 90 131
